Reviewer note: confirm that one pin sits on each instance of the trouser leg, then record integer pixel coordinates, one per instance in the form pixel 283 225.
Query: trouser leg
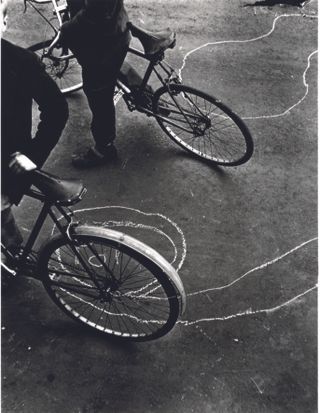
pixel 103 125
pixel 41 145
pixel 99 85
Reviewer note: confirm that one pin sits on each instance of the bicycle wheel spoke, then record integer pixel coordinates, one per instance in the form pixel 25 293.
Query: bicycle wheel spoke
pixel 65 264
pixel 65 70
pixel 205 126
pixel 54 262
pixel 121 295
pixel 100 260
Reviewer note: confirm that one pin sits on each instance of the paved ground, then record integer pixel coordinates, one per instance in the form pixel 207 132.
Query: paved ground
pixel 245 236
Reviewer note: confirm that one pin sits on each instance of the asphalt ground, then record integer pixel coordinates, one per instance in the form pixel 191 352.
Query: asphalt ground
pixel 245 237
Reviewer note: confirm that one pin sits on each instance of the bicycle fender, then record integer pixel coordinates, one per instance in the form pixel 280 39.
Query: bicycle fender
pixel 139 247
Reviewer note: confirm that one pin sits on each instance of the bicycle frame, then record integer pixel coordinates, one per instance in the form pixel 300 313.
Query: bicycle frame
pixel 172 77
pixel 47 210
pixel 65 230
pixel 58 11
pixel 157 60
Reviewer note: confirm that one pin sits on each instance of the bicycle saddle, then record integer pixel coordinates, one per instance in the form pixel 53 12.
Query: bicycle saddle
pixel 153 42
pixel 62 191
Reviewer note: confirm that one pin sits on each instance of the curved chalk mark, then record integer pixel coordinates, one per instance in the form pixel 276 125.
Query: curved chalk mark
pixel 285 112
pixel 130 224
pixel 253 40
pixel 260 267
pixel 179 230
pixel 249 312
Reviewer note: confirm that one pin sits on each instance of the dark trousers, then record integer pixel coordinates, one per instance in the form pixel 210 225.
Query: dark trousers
pixel 37 149
pixel 99 85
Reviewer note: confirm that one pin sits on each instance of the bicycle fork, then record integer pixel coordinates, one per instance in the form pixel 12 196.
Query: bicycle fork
pixel 71 237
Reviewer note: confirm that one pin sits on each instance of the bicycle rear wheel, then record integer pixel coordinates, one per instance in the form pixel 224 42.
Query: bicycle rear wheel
pixel 202 125
pixel 66 72
pixel 113 283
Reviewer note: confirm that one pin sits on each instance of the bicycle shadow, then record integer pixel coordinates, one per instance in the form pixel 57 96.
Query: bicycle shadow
pixel 221 172
pixel 159 151
pixel 41 318
pixel 68 329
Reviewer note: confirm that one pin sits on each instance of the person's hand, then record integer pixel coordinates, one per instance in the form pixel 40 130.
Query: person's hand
pixel 21 164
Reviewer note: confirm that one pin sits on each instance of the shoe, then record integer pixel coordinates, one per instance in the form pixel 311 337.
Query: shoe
pixel 92 157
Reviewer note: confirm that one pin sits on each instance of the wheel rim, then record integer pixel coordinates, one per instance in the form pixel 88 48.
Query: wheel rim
pixel 123 298
pixel 66 73
pixel 204 128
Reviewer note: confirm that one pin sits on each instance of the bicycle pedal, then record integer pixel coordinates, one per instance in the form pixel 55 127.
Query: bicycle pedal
pixel 8 270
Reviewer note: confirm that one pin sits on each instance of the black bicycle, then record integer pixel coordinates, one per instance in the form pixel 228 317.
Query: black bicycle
pixel 198 122
pixel 102 278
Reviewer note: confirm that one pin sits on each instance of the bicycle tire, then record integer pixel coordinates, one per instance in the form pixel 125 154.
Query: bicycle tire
pixel 66 73
pixel 200 125
pixel 140 305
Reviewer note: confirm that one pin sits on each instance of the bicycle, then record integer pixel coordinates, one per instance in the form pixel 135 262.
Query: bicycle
pixel 104 279
pixel 201 124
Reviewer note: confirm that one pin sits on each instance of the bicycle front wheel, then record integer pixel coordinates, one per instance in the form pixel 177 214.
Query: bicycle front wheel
pixel 65 71
pixel 202 125
pixel 112 283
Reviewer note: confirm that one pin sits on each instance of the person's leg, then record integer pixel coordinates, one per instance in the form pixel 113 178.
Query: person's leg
pixel 98 85
pixel 40 147
pixel 100 98
pixel 103 130
pixel 103 125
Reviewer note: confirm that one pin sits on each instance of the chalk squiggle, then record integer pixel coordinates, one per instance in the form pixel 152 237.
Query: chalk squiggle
pixel 104 311
pixel 130 224
pixel 187 323
pixel 249 311
pixel 260 267
pixel 253 40
pixel 285 112
pixel 183 240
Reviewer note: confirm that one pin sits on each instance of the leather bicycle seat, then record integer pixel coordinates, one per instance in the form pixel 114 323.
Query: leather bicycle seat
pixel 62 191
pixel 153 42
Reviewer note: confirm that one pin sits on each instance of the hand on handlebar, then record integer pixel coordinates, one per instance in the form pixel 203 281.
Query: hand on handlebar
pixel 21 164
